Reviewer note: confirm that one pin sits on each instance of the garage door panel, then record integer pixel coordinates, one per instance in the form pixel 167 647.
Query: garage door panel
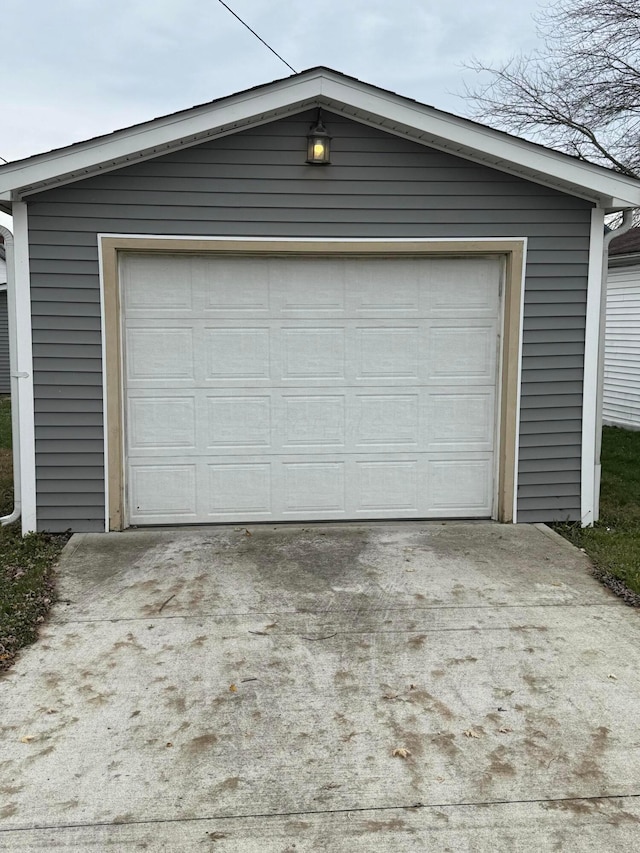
pixel 460 421
pixel 462 352
pixel 388 487
pixel 162 284
pixel 308 421
pixel 158 422
pixel 159 354
pixel 459 486
pixel 463 288
pixel 162 492
pixel 310 388
pixel 315 353
pixel 238 423
pixel 297 487
pixel 234 488
pixel 239 353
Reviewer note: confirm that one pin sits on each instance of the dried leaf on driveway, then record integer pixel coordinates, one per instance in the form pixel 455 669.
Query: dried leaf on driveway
pixel 401 752
pixel 233 688
pixel 505 730
pixel 27 738
pixel 471 733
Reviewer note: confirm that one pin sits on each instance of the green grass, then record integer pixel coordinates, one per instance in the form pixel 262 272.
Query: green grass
pixel 5 422
pixel 614 542
pixel 27 578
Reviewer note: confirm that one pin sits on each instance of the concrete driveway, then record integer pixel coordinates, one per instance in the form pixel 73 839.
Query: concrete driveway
pixel 411 686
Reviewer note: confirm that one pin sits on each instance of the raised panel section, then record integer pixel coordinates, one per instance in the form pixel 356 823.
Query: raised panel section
pixel 313 353
pixel 224 288
pixel 155 423
pixel 163 490
pixel 159 354
pixel 388 353
pixel 462 353
pixel 238 422
pixel 237 488
pixel 317 420
pixel 460 421
pixel 314 287
pixel 313 487
pixel 237 353
pixel 158 282
pixel 463 286
pixel 460 486
pixel 387 419
pixel 385 288
pixel 387 486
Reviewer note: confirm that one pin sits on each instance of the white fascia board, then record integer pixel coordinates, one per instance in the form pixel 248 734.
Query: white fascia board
pixel 155 137
pixel 384 109
pixel 502 149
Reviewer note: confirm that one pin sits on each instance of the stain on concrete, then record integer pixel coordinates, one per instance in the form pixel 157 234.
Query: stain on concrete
pixel 430 703
pixel 499 767
pixel 417 642
pixel 201 743
pixel 10 789
pixel 589 767
pixel 395 824
pixel 9 810
pixel 444 741
pixel 127 817
pixel 179 704
pixel 303 561
pixel 459 661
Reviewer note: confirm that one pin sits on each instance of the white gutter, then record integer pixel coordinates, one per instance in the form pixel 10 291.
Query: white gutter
pixel 627 223
pixel 15 421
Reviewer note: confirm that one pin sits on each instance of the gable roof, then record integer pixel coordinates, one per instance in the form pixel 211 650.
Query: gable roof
pixel 337 93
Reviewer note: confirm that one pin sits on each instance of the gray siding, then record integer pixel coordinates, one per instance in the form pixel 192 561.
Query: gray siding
pixel 257 184
pixel 5 375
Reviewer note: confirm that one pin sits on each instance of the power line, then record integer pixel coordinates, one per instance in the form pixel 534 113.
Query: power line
pixel 244 24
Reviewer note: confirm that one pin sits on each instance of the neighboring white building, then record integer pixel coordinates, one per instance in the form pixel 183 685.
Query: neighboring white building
pixel 3 265
pixel 621 402
pixel 5 382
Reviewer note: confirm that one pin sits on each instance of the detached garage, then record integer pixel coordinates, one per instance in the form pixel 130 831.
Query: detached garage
pixel 212 327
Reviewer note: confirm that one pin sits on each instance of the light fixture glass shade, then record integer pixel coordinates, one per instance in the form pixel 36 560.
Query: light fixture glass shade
pixel 318 144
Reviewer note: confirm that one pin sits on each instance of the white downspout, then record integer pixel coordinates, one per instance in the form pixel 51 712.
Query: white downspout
pixel 627 222
pixel 15 418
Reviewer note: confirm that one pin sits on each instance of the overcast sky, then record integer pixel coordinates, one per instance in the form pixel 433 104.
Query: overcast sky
pixel 73 69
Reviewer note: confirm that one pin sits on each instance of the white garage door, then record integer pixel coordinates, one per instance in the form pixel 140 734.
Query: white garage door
pixel 307 388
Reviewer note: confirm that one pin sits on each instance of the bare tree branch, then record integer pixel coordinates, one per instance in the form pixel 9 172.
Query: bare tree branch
pixel 581 92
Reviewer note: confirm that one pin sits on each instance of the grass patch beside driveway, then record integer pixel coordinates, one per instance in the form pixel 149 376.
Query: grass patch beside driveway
pixel 27 579
pixel 614 542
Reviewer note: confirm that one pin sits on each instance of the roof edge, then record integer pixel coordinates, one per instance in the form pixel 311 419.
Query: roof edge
pixel 320 85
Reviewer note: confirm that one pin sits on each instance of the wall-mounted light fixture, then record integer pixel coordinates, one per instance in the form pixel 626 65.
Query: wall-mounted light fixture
pixel 318 143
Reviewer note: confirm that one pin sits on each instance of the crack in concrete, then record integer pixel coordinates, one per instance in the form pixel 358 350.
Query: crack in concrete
pixel 358 809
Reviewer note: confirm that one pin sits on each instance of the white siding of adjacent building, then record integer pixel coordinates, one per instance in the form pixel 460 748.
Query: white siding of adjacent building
pixel 622 349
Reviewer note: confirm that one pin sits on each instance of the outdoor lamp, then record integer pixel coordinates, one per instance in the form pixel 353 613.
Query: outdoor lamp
pixel 318 143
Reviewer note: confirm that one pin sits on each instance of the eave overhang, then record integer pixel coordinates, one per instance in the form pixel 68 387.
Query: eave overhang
pixel 334 92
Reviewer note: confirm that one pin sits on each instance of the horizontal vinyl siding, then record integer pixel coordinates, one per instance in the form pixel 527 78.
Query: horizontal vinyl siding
pixel 621 399
pixel 5 373
pixel 256 184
